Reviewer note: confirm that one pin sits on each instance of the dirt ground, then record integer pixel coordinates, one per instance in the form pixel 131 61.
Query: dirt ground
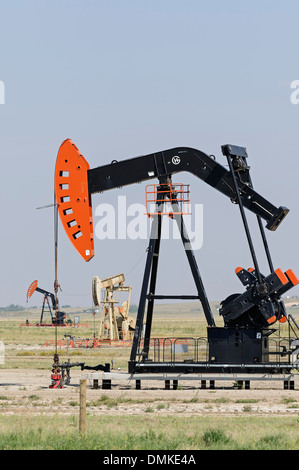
pixel 27 392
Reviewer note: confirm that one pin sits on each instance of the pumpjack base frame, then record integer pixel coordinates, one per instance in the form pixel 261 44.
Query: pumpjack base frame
pixel 229 350
pixel 206 367
pixel 205 379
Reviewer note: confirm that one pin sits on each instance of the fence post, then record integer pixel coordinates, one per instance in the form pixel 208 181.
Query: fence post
pixel 82 417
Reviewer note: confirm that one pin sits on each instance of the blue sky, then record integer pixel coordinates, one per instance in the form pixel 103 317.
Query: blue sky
pixel 125 78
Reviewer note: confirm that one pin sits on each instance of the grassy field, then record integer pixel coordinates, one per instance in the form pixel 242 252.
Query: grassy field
pixel 24 349
pixel 27 344
pixel 150 433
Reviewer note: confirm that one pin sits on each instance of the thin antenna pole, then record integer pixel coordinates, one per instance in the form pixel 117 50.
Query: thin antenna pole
pixel 56 377
pixel 56 267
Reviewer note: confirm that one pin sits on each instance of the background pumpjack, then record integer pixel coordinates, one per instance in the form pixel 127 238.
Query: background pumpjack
pixel 46 306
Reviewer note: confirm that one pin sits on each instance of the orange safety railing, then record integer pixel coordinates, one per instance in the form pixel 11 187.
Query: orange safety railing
pixel 87 343
pixel 175 197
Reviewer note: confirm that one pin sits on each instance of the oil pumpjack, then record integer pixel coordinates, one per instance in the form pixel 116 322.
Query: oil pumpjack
pixel 242 343
pixel 115 322
pixel 49 298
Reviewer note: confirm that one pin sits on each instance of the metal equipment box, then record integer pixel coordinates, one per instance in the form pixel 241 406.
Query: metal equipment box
pixel 237 345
